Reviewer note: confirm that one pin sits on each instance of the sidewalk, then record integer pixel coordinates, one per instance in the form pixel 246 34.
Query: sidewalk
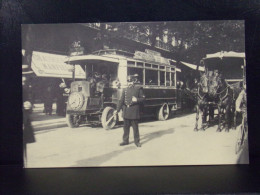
pixel 40 121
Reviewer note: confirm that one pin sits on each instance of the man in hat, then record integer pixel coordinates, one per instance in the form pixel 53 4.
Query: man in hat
pixel 28 134
pixel 130 101
pixel 241 102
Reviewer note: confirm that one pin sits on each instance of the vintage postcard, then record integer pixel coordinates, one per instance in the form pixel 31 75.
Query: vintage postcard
pixel 134 94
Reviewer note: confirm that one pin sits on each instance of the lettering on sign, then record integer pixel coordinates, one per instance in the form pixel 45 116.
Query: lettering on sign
pixel 52 65
pixel 148 51
pixel 151 57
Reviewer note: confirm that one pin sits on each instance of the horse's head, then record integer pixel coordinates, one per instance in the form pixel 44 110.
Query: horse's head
pixel 210 83
pixel 204 83
pixel 213 85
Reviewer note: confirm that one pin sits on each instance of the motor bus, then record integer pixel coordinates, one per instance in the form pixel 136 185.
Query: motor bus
pixel 156 75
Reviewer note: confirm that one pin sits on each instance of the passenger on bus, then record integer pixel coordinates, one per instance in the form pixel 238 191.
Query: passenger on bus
pixel 115 83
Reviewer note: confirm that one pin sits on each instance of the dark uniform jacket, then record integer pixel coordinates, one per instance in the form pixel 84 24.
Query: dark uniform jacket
pixel 131 110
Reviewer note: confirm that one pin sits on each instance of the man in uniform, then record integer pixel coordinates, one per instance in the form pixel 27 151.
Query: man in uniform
pixel 130 101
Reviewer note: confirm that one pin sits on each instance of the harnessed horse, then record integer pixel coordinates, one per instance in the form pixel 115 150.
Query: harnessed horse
pixel 227 95
pixel 214 92
pixel 206 97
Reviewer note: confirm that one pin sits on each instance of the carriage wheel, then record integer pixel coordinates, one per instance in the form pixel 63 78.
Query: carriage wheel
pixel 164 112
pixel 72 120
pixel 106 115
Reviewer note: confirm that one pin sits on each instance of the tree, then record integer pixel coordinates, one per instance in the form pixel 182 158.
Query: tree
pixel 193 39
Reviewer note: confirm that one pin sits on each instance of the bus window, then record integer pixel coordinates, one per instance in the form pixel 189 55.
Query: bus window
pixel 151 77
pixel 155 66
pixel 173 79
pixel 139 71
pixel 148 65
pixel 130 63
pixel 140 64
pixel 167 79
pixel 162 78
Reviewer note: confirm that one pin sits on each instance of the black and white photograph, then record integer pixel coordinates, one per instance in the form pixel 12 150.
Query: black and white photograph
pixel 134 94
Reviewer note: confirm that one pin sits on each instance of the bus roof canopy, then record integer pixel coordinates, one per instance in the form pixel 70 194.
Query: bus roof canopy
pixel 90 58
pixel 225 54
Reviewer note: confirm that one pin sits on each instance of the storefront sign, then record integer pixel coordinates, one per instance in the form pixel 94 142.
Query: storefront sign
pixel 53 65
pixel 152 52
pixel 151 57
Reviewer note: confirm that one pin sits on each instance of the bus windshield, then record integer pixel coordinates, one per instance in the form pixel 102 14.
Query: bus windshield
pixel 100 70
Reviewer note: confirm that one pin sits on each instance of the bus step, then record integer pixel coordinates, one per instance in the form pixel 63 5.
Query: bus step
pixel 174 107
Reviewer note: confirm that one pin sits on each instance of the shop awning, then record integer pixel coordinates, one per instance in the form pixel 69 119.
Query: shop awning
pixel 53 65
pixel 193 66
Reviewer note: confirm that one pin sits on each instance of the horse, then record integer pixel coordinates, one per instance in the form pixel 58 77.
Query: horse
pixel 227 95
pixel 206 97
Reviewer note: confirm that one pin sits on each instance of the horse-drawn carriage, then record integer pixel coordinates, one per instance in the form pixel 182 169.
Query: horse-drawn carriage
pixel 218 88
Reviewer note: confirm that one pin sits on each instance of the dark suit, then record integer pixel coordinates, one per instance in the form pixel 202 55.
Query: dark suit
pixel 131 110
pixel 28 133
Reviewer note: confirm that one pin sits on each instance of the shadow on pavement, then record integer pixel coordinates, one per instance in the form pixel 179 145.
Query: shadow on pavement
pixel 150 136
pixel 98 160
pixel 53 126
pixel 43 117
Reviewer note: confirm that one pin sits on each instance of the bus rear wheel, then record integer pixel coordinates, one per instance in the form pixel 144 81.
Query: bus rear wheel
pixel 164 112
pixel 106 120
pixel 72 120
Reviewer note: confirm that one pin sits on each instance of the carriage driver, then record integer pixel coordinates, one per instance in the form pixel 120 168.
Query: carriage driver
pixel 130 101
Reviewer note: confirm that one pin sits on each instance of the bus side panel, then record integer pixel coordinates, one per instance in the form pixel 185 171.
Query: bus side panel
pixel 156 97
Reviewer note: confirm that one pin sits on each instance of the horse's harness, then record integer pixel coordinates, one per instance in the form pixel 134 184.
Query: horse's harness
pixel 225 91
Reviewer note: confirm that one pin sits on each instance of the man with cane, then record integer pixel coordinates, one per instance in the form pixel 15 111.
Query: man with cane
pixel 130 101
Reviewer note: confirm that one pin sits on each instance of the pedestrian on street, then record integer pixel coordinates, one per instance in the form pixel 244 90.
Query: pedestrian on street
pixel 130 101
pixel 61 100
pixel 28 132
pixel 241 102
pixel 48 101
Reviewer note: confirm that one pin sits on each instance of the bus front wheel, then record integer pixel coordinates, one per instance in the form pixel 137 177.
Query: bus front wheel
pixel 108 119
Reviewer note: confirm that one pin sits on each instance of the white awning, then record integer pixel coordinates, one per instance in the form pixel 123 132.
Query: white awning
pixel 53 65
pixel 224 54
pixel 193 66
pixel 178 70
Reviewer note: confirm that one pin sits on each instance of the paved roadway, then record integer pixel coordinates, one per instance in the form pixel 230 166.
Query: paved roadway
pixel 171 142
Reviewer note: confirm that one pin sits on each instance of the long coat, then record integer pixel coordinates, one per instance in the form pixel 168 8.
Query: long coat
pixel 28 133
pixel 131 110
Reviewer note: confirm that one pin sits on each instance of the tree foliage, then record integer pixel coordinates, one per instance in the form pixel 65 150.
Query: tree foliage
pixel 187 40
